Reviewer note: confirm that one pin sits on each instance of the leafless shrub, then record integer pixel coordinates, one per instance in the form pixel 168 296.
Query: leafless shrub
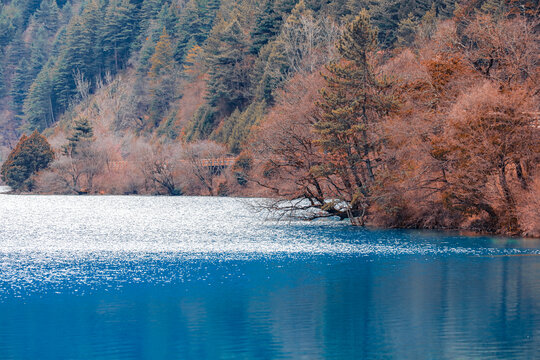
pixel 204 174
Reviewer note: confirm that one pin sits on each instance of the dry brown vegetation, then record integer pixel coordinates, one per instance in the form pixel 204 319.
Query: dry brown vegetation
pixel 444 133
pixel 462 149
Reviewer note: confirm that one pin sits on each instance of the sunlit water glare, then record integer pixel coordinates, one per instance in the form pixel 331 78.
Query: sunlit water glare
pixel 195 277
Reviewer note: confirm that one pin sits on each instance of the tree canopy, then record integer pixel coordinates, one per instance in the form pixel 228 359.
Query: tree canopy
pixel 32 154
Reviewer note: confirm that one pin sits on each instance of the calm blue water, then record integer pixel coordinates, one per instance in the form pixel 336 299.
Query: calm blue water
pixel 211 278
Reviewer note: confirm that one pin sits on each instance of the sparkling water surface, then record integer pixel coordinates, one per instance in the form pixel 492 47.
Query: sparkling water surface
pixel 213 278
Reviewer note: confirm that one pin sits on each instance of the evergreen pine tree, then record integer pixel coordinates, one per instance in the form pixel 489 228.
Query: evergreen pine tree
pixel 284 7
pixel 62 82
pixel 193 60
pixel 202 124
pixel 19 85
pixel 388 14
pixel 237 126
pixel 167 18
pixel 8 24
pixel 406 31
pixel 27 8
pixel 270 70
pixel 163 74
pixel 17 51
pixel 163 59
pixel 190 29
pixel 427 24
pixel 39 53
pixel 269 21
pixel 148 11
pixel 266 27
pixel 194 25
pixel 352 104
pixel 229 75
pixel 32 154
pixel 211 8
pixel 82 132
pixel 83 51
pixel 48 15
pixel 39 104
pixel 2 80
pixel 118 32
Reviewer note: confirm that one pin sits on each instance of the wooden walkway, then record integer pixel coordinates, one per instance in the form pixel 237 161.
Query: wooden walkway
pixel 222 162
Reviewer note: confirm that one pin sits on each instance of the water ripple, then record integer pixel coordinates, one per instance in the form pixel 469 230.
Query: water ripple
pixel 107 241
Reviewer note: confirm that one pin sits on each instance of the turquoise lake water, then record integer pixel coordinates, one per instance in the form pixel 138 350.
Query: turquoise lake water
pixel 213 278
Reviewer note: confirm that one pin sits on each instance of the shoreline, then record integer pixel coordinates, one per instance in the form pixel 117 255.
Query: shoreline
pixel 463 232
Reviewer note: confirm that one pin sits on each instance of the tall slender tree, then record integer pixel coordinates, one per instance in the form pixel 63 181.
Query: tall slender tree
pixel 39 105
pixel 118 32
pixel 352 105
pixel 229 81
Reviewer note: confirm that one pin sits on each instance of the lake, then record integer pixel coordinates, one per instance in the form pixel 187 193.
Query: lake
pixel 111 277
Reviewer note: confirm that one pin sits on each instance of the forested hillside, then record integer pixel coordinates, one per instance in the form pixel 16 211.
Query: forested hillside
pixel 55 53
pixel 416 113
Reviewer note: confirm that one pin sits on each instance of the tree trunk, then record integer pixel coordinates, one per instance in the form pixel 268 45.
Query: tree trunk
pixel 504 186
pixel 519 173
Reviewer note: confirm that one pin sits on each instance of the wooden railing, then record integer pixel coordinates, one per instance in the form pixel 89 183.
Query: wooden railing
pixel 209 162
pixel 221 162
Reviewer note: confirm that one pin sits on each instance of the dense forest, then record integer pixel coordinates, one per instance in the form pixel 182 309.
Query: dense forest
pixel 395 113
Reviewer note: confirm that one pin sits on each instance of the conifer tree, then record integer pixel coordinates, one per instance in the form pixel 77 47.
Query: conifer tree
pixel 39 105
pixel 269 21
pixel 163 59
pixel 427 24
pixel 84 50
pixel 118 31
pixel 270 70
pixel 237 127
pixel 27 8
pixel 8 24
pixel 193 60
pixel 190 29
pixel 284 7
pixel 48 15
pixel 229 75
pixel 388 14
pixel 82 53
pixel 147 49
pixel 406 31
pixel 266 27
pixel 32 154
pixel 2 81
pixel 202 124
pixel 39 53
pixel 19 85
pixel 194 25
pixel 62 82
pixel 162 74
pixel 211 8
pixel 149 9
pixel 351 106
pixel 82 132
pixel 167 18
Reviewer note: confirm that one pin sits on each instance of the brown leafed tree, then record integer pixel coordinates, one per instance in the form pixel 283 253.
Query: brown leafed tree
pixel 198 157
pixel 491 146
pixel 32 154
pixel 285 150
pixel 160 166
pixel 353 103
